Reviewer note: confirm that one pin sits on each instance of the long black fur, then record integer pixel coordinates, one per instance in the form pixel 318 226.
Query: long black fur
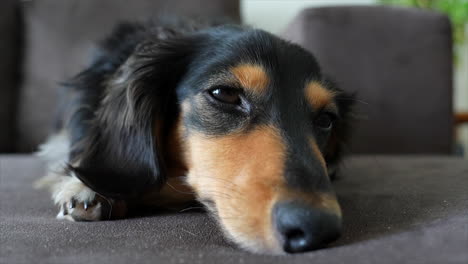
pixel 111 106
pixel 111 125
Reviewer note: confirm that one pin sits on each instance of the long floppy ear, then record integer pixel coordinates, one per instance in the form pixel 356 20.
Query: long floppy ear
pixel 118 150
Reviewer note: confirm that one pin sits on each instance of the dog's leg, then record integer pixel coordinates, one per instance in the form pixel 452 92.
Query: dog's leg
pixel 76 201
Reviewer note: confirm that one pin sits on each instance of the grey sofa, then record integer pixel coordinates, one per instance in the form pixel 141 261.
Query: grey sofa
pixel 407 207
pixel 398 61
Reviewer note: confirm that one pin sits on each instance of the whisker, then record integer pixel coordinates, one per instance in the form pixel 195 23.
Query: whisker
pixel 219 179
pixel 179 191
pixel 354 99
pixel 191 208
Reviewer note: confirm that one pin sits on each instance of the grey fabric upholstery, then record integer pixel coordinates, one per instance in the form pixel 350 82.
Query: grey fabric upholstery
pixel 398 61
pixel 60 35
pixel 396 210
pixel 9 71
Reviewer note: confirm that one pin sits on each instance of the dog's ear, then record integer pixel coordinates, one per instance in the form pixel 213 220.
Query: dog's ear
pixel 118 153
pixel 337 143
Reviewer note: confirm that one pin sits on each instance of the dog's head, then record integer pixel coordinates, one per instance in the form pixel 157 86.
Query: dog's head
pixel 252 122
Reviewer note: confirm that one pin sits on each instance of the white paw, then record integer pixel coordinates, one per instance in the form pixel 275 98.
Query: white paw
pixel 78 202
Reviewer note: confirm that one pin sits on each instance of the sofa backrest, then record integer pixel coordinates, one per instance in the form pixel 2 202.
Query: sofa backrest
pixel 399 63
pixel 59 35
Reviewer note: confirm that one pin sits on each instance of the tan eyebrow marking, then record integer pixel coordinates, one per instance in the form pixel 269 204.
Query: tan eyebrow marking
pixel 252 77
pixel 317 95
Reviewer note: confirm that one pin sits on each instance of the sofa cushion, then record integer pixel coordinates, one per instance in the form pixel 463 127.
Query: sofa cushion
pixel 10 30
pixel 396 210
pixel 398 61
pixel 59 37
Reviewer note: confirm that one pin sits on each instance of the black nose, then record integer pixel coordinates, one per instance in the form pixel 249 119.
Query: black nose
pixel 303 228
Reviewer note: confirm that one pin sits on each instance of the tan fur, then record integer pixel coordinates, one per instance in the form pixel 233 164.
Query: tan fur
pixel 330 203
pixel 252 77
pixel 242 174
pixel 321 200
pixel 175 192
pixel 317 95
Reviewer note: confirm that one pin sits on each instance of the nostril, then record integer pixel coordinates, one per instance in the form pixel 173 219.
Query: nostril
pixel 295 234
pixel 295 241
pixel 302 228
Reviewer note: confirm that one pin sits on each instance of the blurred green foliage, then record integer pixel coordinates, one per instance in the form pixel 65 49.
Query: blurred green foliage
pixel 457 10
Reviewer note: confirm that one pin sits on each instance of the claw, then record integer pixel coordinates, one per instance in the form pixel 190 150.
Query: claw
pixel 85 206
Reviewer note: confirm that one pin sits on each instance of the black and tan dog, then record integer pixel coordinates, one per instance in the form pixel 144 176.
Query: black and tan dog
pixel 170 112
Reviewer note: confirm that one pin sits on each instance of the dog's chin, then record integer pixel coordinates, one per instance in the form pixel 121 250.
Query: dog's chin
pixel 257 246
pixel 244 241
pixel 253 243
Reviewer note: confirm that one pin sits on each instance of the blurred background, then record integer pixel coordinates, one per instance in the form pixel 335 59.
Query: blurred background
pixel 274 16
pixel 397 55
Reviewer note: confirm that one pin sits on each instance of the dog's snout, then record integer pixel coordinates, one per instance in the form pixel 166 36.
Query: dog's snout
pixel 302 228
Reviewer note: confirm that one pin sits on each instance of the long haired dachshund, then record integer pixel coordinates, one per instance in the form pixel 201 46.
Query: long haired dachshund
pixel 234 117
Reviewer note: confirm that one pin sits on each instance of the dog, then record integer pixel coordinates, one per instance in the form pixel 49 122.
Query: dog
pixel 169 112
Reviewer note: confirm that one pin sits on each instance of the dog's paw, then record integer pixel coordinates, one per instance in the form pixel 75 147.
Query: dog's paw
pixel 79 203
pixel 89 210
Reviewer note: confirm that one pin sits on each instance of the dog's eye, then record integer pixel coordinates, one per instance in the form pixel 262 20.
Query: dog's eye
pixel 324 121
pixel 226 95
